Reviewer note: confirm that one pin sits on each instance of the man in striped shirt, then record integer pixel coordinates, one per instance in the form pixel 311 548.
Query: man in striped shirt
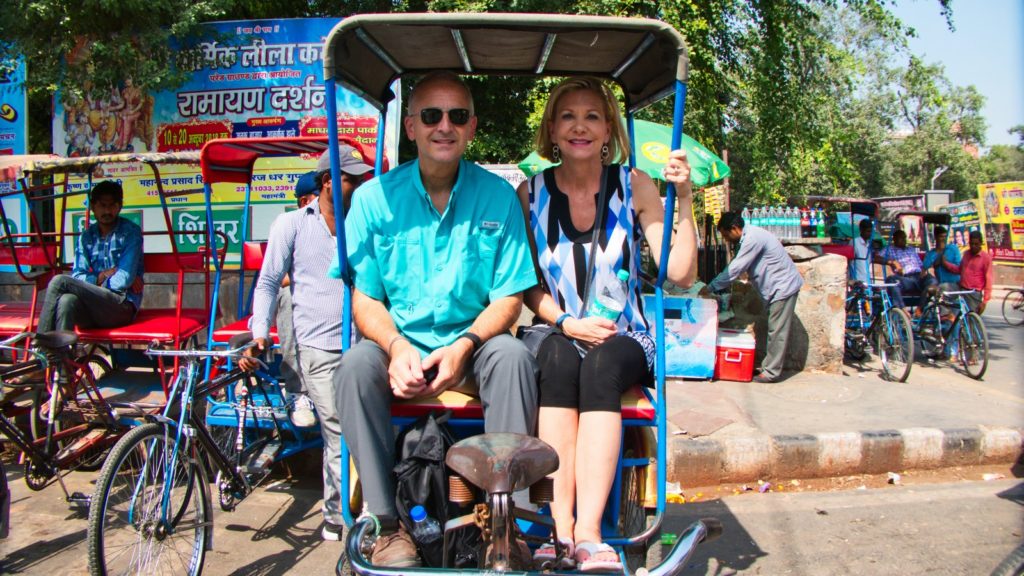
pixel 301 245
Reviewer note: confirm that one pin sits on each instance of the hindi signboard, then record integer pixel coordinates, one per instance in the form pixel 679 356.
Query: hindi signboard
pixel 1003 204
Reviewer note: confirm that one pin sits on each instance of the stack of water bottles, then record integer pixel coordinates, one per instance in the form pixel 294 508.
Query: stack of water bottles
pixel 788 222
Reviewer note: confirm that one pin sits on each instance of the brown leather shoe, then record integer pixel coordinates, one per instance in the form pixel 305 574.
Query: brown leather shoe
pixel 395 550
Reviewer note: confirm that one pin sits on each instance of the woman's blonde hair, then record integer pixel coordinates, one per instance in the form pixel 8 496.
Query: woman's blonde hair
pixel 618 144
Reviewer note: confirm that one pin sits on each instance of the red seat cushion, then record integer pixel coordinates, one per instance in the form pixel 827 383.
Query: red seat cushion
pixel 229 331
pixel 844 250
pixel 152 324
pixel 635 405
pixel 14 317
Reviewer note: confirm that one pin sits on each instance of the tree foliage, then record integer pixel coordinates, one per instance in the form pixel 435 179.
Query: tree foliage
pixel 808 96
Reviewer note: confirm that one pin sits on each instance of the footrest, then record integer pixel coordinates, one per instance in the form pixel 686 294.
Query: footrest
pixel 259 462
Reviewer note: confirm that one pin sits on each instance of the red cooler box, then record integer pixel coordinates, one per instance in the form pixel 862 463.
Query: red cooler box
pixel 735 357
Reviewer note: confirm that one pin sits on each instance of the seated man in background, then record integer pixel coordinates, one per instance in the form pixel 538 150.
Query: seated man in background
pixel 104 289
pixel 944 259
pixel 908 274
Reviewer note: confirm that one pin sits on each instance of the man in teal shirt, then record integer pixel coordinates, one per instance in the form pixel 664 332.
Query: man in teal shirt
pixel 439 260
pixel 944 259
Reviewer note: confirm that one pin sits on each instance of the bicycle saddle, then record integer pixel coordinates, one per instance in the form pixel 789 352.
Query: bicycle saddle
pixel 502 462
pixel 56 339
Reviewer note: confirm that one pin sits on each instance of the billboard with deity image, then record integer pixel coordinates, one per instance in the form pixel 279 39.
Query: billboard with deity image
pixel 249 79
pixel 1003 205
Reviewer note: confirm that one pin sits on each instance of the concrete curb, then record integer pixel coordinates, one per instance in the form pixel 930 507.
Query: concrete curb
pixel 710 461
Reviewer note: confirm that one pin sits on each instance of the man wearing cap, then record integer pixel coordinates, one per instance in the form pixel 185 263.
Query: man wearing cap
pixel 104 289
pixel 306 188
pixel 301 246
pixel 440 260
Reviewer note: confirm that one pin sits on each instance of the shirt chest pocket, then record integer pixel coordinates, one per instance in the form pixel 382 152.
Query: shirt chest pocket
pixel 400 260
pixel 479 257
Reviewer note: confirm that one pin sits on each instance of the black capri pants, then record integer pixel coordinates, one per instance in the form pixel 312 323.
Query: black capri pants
pixel 595 382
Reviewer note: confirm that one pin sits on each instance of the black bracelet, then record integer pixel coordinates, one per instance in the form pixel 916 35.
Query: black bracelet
pixel 477 342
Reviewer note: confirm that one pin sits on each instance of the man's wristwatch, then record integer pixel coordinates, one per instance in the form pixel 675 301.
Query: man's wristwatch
pixel 561 320
pixel 472 338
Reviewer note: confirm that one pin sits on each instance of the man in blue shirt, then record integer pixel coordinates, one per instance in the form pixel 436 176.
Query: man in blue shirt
pixel 772 272
pixel 944 259
pixel 440 260
pixel 104 289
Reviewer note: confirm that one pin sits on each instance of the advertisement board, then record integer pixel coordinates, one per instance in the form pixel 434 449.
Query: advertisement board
pixel 13 139
pixel 889 206
pixel 966 218
pixel 252 79
pixel 1003 205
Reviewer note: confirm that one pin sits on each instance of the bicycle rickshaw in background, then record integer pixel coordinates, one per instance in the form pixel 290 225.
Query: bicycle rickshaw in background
pixel 648 60
pixel 871 319
pixel 88 398
pixel 944 325
pixel 1013 307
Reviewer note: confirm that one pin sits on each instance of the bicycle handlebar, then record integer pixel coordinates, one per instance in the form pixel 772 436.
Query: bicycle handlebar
pixel 233 354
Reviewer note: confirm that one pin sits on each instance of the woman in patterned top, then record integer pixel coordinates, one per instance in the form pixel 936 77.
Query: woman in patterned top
pixel 585 368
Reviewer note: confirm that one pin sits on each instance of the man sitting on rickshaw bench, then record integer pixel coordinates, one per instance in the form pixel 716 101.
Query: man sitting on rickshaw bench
pixel 104 289
pixel 909 273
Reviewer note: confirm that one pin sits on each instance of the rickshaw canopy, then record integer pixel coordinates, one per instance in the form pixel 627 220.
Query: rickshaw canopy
pixel 941 218
pixel 13 168
pixel 863 206
pixel 86 164
pixel 366 53
pixel 232 160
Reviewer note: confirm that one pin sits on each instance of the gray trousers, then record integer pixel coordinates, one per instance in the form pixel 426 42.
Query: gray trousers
pixel 780 319
pixel 503 368
pixel 318 369
pixel 70 302
pixel 291 373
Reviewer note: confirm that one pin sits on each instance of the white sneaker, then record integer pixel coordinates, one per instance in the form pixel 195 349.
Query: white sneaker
pixel 302 414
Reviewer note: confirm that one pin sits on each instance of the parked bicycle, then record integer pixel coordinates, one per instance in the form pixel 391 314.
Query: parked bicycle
pixel 962 339
pixel 71 424
pixel 872 320
pixel 152 511
pixel 1013 307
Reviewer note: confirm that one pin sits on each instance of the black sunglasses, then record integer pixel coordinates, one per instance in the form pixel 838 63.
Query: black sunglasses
pixel 432 116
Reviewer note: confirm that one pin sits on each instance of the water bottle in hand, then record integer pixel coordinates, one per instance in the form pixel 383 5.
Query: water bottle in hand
pixel 425 530
pixel 611 297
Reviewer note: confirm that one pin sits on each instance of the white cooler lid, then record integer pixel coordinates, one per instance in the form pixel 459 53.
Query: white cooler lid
pixel 736 339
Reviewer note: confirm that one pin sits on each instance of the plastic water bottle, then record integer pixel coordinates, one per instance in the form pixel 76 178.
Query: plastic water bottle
pixel 611 297
pixel 773 221
pixel 755 218
pixel 790 221
pixel 425 530
pixel 746 215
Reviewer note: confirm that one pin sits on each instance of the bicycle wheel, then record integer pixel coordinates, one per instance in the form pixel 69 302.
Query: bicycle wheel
pixel 973 341
pixel 895 342
pixel 633 516
pixel 129 530
pixel 1013 307
pixel 91 461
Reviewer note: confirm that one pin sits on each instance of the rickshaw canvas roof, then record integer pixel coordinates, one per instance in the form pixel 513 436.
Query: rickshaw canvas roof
pixel 865 206
pixel 86 164
pixel 232 160
pixel 926 217
pixel 366 53
pixel 13 168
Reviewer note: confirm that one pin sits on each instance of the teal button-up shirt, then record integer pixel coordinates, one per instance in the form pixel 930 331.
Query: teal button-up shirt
pixel 436 273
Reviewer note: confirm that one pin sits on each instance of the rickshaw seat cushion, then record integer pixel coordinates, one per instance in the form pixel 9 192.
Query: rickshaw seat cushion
pixel 844 250
pixel 152 324
pixel 14 317
pixel 229 331
pixel 635 405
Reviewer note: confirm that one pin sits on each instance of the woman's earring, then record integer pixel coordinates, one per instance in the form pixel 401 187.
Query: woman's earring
pixel 605 153
pixel 556 153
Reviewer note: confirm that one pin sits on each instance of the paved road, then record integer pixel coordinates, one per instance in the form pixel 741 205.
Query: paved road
pixel 954 528
pixel 961 528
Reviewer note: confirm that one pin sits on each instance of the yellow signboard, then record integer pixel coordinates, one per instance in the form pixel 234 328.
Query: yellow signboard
pixel 1003 219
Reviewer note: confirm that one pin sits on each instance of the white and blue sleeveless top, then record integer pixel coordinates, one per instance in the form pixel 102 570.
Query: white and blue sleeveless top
pixel 563 251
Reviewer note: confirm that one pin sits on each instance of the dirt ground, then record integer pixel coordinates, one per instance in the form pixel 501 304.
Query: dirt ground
pixel 855 482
